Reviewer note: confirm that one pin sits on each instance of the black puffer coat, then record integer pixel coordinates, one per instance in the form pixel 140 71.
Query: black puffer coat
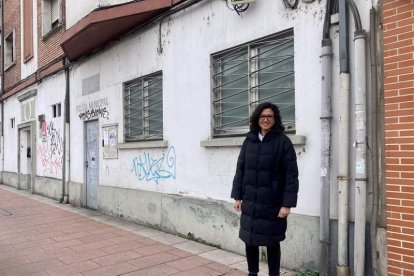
pixel 266 179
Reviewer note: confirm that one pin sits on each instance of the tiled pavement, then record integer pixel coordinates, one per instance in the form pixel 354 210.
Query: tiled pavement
pixel 39 236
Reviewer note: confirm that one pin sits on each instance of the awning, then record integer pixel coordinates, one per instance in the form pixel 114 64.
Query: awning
pixel 106 24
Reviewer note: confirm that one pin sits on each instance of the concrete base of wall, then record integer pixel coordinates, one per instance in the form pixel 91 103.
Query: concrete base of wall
pixel 211 222
pixel 10 179
pixel 76 194
pixel 48 187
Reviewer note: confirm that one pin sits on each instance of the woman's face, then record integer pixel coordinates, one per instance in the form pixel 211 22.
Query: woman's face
pixel 266 120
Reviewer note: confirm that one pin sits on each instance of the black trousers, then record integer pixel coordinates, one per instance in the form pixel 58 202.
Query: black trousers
pixel 273 259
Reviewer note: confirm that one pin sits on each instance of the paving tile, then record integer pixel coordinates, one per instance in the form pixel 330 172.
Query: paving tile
pixel 179 253
pixel 97 237
pixel 153 249
pixel 147 232
pixel 15 261
pixel 168 239
pixel 220 267
pixel 92 245
pixel 51 254
pixel 117 258
pixel 159 270
pixel 66 237
pixel 112 270
pixel 188 263
pixel 76 257
pixel 194 247
pixel 223 257
pixel 123 247
pixel 62 244
pixel 32 268
pixel 201 271
pixel 152 260
pixel 73 268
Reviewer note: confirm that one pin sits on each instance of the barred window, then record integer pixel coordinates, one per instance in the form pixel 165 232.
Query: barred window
pixel 255 72
pixel 143 108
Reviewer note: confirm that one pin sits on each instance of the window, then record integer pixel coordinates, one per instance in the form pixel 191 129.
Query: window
pixel 57 110
pixel 143 108
pixel 12 123
pixel 50 15
pixel 244 76
pixel 27 30
pixel 9 53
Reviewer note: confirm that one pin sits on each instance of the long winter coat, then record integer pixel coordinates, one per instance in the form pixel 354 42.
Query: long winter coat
pixel 266 179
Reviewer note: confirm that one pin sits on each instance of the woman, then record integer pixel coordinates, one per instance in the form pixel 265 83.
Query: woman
pixel 265 186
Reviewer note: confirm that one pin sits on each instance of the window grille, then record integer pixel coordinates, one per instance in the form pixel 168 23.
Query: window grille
pixel 143 108
pixel 255 72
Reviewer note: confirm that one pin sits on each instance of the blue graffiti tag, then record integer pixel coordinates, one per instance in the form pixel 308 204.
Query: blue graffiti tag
pixel 147 168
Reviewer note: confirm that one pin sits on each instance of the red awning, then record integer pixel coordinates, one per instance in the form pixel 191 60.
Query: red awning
pixel 104 25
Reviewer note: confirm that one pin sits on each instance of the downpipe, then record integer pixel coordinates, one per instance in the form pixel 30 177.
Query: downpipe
pixel 326 117
pixel 342 267
pixel 66 161
pixel 360 152
pixel 343 176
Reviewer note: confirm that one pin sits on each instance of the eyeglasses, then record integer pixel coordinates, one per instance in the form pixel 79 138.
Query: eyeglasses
pixel 268 117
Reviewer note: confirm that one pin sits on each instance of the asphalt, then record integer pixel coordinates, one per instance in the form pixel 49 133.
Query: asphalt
pixel 39 236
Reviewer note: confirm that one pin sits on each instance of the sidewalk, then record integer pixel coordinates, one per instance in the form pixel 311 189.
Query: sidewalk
pixel 39 236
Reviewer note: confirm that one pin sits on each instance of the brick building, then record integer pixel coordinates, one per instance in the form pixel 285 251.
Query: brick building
pixel 398 19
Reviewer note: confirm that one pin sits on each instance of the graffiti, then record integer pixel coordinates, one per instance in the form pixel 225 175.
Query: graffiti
pixel 50 151
pixel 93 109
pixel 94 113
pixel 145 167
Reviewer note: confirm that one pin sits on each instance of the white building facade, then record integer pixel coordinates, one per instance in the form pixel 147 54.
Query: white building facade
pixel 156 117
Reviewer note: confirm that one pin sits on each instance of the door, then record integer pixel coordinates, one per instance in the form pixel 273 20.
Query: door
pixel 92 164
pixel 25 160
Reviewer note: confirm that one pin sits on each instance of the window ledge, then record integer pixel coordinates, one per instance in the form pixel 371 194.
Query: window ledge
pixel 238 141
pixel 9 66
pixel 143 145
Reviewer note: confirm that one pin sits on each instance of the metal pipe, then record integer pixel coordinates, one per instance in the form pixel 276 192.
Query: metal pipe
pixel 2 91
pixel 373 139
pixel 342 267
pixel 360 153
pixel 343 175
pixel 326 118
pixel 65 192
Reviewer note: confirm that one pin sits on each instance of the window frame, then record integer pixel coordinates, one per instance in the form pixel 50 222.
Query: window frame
pixel 48 24
pixel 250 49
pixel 10 58
pixel 145 135
pixel 57 110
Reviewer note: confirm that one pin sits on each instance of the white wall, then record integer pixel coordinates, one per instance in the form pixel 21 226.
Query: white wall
pixel 83 8
pixel 11 110
pixel 50 142
pixel 29 67
pixel 188 40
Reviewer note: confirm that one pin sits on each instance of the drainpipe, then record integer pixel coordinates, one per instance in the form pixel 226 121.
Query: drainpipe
pixel 2 91
pixel 373 176
pixel 66 135
pixel 342 267
pixel 326 117
pixel 360 143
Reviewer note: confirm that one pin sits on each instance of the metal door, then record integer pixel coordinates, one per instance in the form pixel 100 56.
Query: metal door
pixel 92 163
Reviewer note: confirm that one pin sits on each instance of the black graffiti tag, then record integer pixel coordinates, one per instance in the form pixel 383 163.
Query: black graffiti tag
pixel 94 113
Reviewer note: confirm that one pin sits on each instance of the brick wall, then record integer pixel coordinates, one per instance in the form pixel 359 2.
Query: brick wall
pixel 398 19
pixel 49 44
pixel 12 22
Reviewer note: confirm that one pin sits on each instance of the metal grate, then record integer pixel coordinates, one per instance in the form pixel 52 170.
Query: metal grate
pixel 252 73
pixel 143 108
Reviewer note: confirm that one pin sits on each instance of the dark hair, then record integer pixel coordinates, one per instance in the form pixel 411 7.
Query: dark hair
pixel 254 119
